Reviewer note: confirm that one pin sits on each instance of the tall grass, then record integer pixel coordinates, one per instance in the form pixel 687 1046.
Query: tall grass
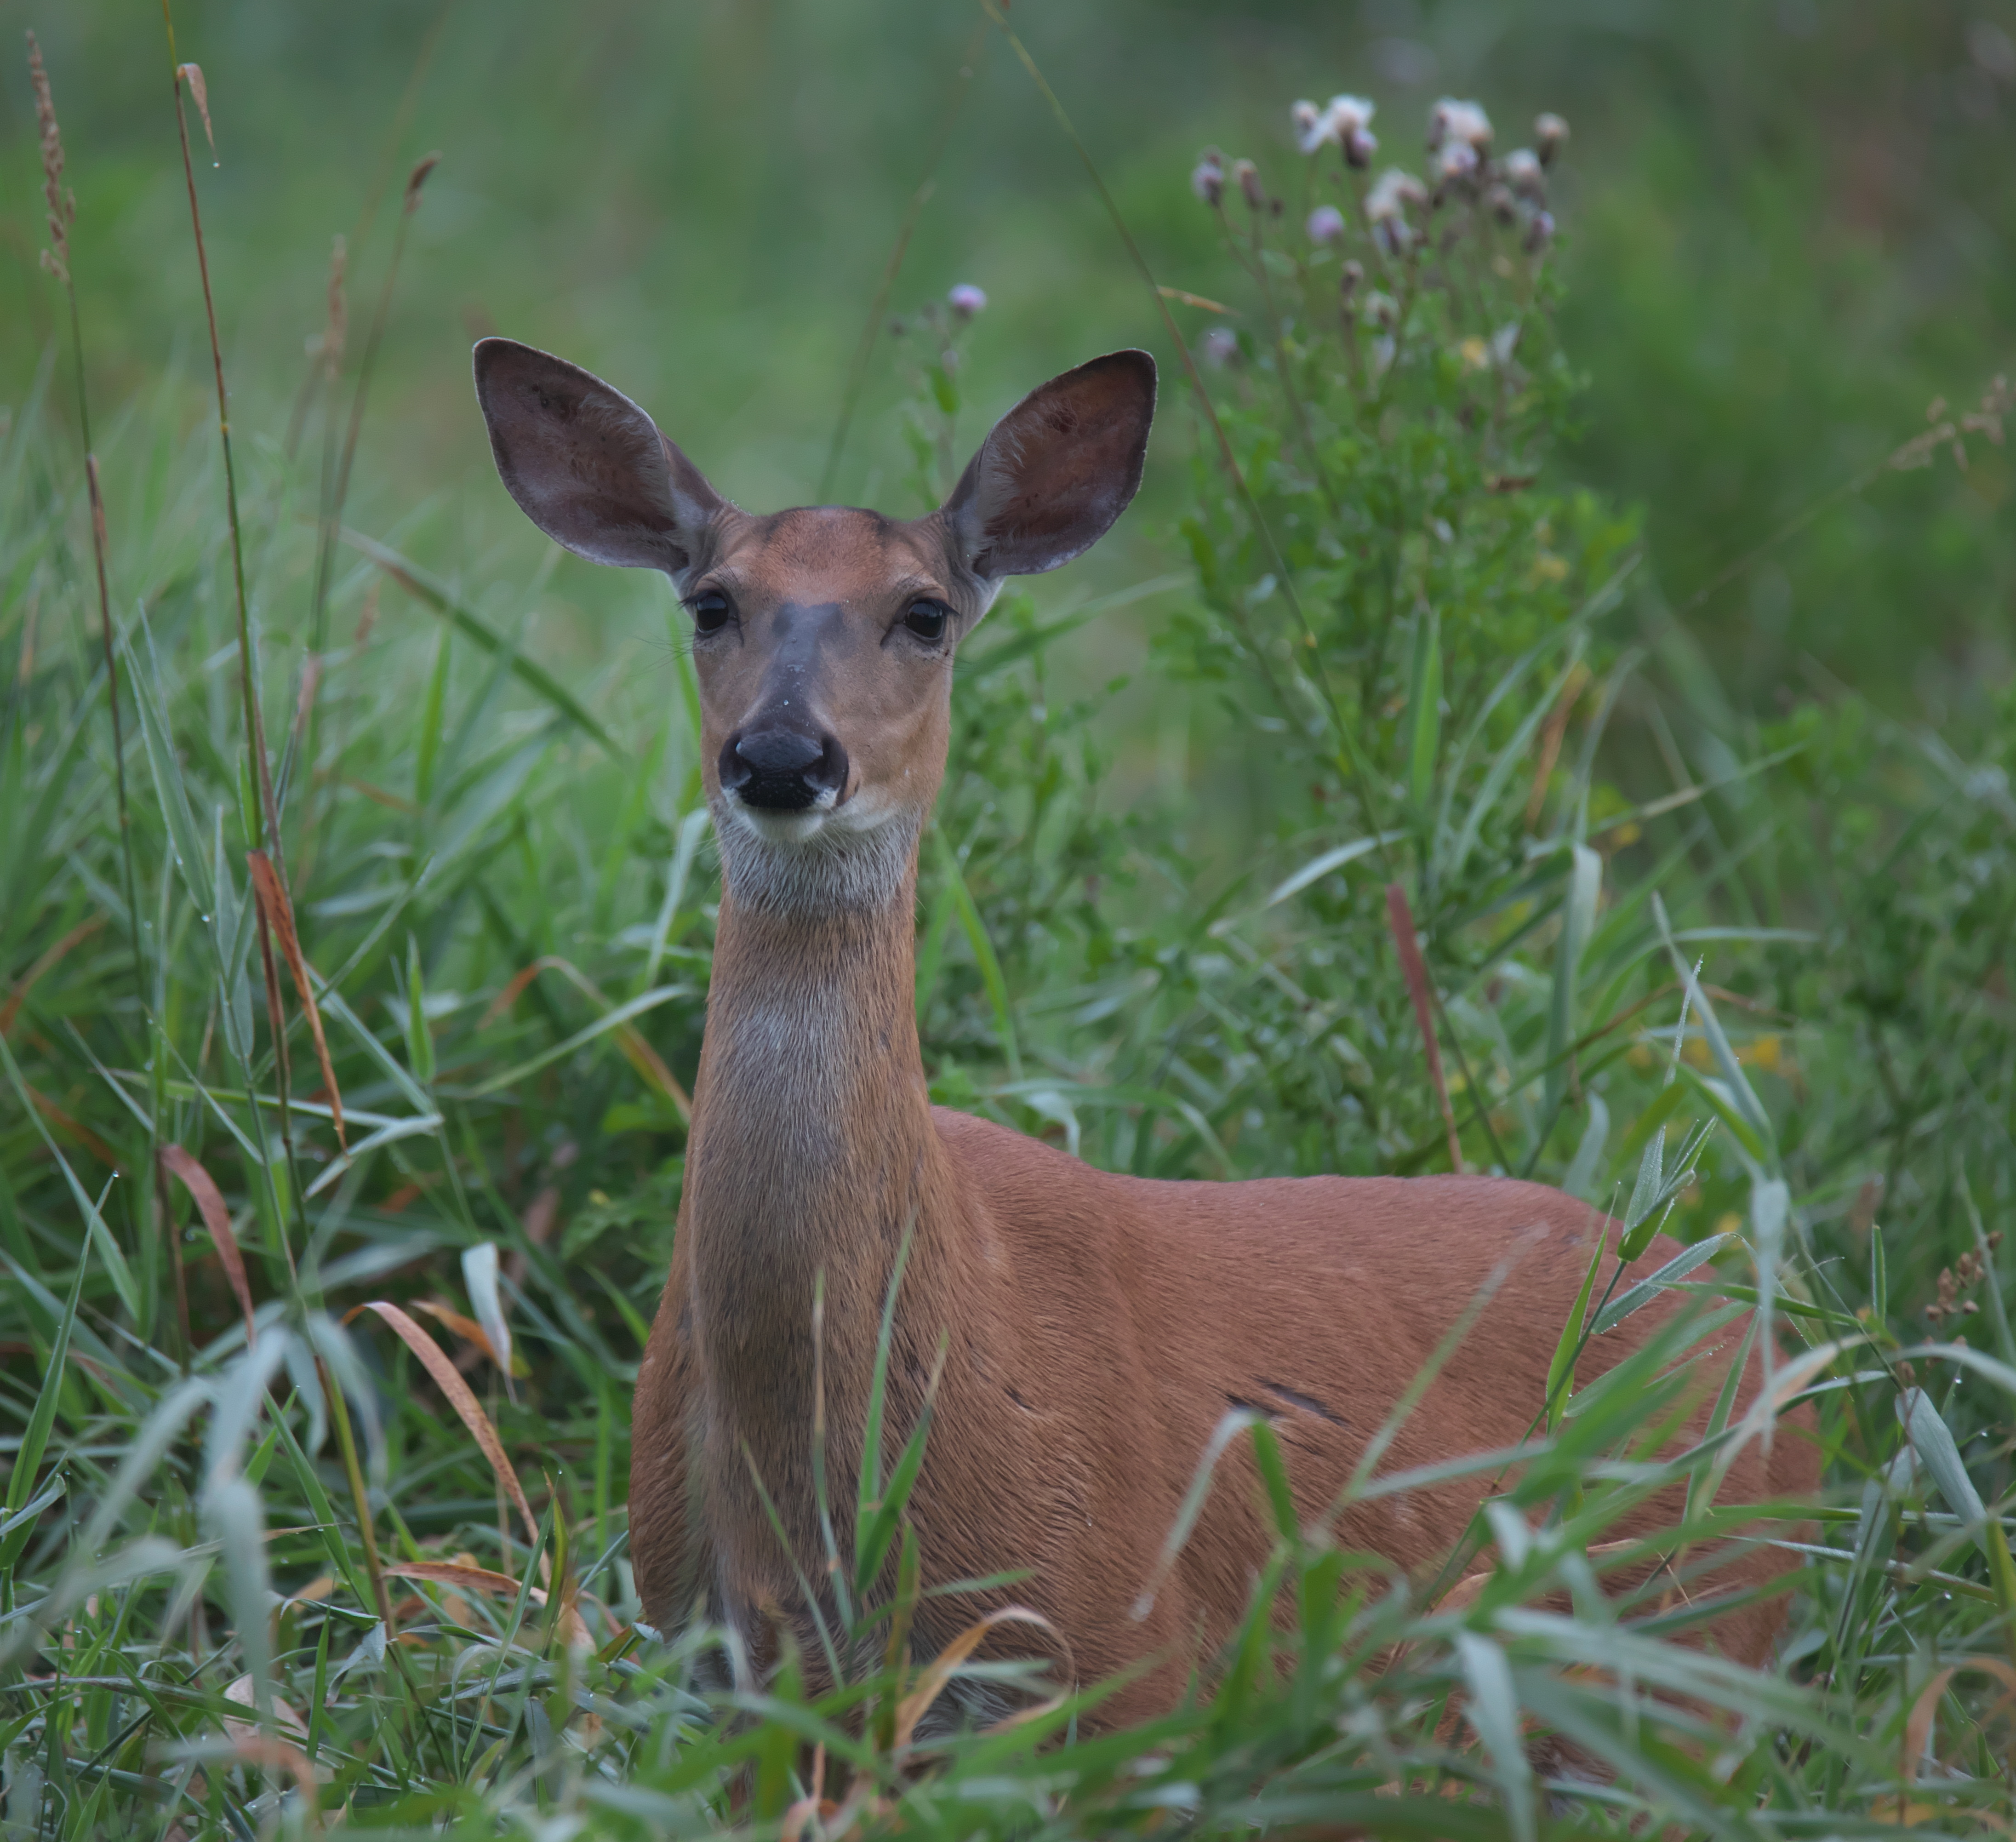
pixel 319 1439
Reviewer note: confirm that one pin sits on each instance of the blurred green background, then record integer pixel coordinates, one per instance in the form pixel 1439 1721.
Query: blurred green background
pixel 1789 230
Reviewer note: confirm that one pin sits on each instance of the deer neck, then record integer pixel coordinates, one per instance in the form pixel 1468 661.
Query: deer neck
pixel 812 1149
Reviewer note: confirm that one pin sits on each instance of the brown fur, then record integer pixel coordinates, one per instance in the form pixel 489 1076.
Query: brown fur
pixel 1096 1327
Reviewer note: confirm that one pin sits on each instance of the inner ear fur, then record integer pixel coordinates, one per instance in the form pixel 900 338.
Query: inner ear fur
pixel 587 465
pixel 1057 470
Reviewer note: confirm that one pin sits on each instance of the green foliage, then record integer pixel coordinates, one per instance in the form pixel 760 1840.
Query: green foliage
pixel 1429 660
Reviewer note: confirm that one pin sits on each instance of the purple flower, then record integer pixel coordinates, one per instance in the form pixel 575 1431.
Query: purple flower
pixel 965 300
pixel 1325 224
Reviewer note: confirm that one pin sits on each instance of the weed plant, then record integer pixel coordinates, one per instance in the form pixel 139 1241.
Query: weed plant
pixel 343 1074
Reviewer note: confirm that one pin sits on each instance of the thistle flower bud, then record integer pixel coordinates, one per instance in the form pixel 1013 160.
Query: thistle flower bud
pixel 1220 347
pixel 1360 145
pixel 1550 133
pixel 1451 120
pixel 1457 159
pixel 1311 125
pixel 965 300
pixel 1523 174
pixel 1381 312
pixel 1325 224
pixel 1392 193
pixel 1351 115
pixel 1207 177
pixel 1248 176
pixel 1498 198
pixel 1352 279
pixel 1540 233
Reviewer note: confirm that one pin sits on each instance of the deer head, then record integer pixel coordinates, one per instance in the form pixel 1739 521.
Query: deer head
pixel 822 637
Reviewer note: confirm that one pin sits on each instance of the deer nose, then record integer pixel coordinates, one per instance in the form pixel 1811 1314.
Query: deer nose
pixel 783 770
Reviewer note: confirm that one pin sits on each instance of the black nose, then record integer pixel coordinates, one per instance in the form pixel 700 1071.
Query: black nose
pixel 782 770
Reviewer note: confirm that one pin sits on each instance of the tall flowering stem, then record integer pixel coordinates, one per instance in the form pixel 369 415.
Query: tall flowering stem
pixel 264 819
pixel 62 204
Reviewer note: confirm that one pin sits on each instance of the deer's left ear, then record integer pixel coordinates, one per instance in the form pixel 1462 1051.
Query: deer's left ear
pixel 1057 470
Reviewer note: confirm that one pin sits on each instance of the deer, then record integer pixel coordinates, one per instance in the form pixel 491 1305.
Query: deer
pixel 1088 1331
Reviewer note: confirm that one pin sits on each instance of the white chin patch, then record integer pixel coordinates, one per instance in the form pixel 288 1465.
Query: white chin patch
pixel 786 828
pixel 827 856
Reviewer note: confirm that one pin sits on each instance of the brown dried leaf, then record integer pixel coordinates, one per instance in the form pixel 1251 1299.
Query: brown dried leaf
pixel 434 1359
pixel 485 1580
pixel 280 913
pixel 242 1692
pixel 216 1218
pixel 469 1330
pixel 192 74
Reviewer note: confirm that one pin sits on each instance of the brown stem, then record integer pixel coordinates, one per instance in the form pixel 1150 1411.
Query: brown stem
pixel 1401 918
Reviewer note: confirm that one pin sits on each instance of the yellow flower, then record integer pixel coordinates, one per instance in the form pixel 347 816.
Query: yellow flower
pixel 1476 354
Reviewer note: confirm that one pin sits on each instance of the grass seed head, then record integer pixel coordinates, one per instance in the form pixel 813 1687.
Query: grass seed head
pixel 418 178
pixel 192 74
pixel 61 203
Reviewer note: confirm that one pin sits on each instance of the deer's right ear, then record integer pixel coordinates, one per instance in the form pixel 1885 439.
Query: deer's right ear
pixel 586 465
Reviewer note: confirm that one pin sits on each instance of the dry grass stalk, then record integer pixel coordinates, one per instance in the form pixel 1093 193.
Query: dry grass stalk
pixel 435 1360
pixel 1400 917
pixel 279 913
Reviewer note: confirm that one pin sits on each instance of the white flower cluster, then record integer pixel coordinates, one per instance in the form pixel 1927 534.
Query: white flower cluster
pixel 1513 188
pixel 1344 122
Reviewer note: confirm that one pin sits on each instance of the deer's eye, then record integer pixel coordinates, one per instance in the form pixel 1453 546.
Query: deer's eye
pixel 926 619
pixel 711 611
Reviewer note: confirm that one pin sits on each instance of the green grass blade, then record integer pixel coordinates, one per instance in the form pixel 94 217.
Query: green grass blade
pixel 41 1419
pixel 436 596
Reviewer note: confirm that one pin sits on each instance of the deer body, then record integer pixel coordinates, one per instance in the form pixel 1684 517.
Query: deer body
pixel 1093 1329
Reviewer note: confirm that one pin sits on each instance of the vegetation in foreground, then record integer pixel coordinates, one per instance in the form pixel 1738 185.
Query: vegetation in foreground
pixel 318 1430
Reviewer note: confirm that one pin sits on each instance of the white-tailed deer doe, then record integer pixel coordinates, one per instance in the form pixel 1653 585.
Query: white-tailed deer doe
pixel 1096 1327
